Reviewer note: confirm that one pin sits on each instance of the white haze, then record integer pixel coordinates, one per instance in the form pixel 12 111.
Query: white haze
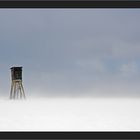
pixel 70 114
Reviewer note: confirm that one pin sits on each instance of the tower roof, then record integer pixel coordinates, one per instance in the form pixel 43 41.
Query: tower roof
pixel 16 68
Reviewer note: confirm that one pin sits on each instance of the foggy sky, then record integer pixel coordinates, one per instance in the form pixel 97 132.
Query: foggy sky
pixel 72 52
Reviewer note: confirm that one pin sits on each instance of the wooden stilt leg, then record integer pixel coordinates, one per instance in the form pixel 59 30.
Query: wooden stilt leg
pixel 23 91
pixel 14 96
pixel 11 95
pixel 20 92
pixel 17 90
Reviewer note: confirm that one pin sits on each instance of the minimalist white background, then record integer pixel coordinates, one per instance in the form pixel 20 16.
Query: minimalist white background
pixel 73 114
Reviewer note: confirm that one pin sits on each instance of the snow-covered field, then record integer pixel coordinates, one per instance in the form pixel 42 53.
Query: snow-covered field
pixel 70 114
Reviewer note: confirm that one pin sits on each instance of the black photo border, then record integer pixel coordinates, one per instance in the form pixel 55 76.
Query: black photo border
pixel 69 4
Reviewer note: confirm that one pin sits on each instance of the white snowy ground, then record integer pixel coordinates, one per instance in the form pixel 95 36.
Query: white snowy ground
pixel 70 114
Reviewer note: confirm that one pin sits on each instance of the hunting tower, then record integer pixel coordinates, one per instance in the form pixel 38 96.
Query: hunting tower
pixel 17 90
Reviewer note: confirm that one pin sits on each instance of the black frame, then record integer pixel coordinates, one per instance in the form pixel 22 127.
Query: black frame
pixel 70 135
pixel 70 4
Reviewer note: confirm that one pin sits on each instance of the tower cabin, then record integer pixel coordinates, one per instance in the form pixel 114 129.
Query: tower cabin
pixel 16 73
